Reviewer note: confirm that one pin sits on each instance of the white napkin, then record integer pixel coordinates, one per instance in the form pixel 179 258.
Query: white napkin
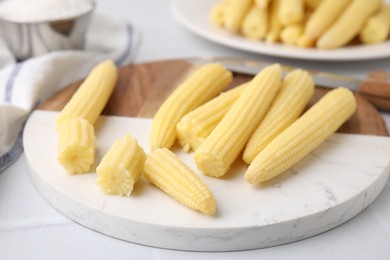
pixel 24 84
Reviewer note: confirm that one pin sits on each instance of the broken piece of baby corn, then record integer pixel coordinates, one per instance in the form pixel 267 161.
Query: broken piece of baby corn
pixel 377 27
pixel 323 16
pixel 165 170
pixel 76 145
pixel 121 167
pixel 204 84
pixel 195 126
pixel 295 93
pixel 348 24
pixel 235 12
pixel 302 136
pixel 92 95
pixel 221 148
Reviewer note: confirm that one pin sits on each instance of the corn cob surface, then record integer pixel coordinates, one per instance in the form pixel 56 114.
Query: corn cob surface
pixel 322 18
pixel 291 11
pixel 235 13
pixel 305 42
pixel 255 24
pixel 295 93
pixel 377 27
pixel 92 95
pixel 76 145
pixel 195 126
pixel 165 170
pixel 263 4
pixel 291 34
pixel 348 25
pixel 303 136
pixel 217 14
pixel 221 148
pixel 275 26
pixel 121 167
pixel 312 4
pixel 204 84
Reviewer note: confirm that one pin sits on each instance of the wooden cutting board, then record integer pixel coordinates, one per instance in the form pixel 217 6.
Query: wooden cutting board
pixel 141 89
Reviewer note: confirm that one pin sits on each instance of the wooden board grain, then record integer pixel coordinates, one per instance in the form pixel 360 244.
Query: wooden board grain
pixel 141 89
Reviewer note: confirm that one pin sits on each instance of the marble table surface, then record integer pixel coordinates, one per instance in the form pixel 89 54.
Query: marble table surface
pixel 31 229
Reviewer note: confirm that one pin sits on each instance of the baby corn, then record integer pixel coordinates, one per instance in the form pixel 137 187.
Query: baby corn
pixel 220 149
pixel 305 42
pixel 255 25
pixel 303 136
pixel 76 145
pixel 275 25
pixel 263 4
pixel 321 19
pixel 291 11
pixel 165 170
pixel 217 14
pixel 312 4
pixel 377 27
pixel 235 13
pixel 290 34
pixel 121 167
pixel 91 97
pixel 201 86
pixel 294 95
pixel 195 126
pixel 348 24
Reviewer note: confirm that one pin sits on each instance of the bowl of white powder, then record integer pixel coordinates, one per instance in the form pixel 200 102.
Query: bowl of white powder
pixel 33 28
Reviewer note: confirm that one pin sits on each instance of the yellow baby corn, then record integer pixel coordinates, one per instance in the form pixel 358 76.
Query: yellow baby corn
pixel 255 24
pixel 165 170
pixel 322 18
pixel 291 11
pixel 377 27
pixel 312 4
pixel 303 136
pixel 348 24
pixel 220 149
pixel 235 13
pixel 195 126
pixel 204 84
pixel 121 167
pixel 92 95
pixel 305 42
pixel 76 145
pixel 263 4
pixel 275 25
pixel 290 34
pixel 217 13
pixel 295 93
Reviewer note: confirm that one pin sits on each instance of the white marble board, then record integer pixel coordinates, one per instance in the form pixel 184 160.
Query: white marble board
pixel 330 186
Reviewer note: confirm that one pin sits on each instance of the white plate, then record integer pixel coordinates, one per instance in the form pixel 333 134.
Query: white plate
pixel 194 15
pixel 330 186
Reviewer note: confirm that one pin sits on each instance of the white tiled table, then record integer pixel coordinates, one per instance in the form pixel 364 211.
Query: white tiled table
pixel 32 229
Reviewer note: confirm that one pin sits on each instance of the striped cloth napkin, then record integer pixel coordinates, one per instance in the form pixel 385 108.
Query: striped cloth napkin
pixel 24 84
